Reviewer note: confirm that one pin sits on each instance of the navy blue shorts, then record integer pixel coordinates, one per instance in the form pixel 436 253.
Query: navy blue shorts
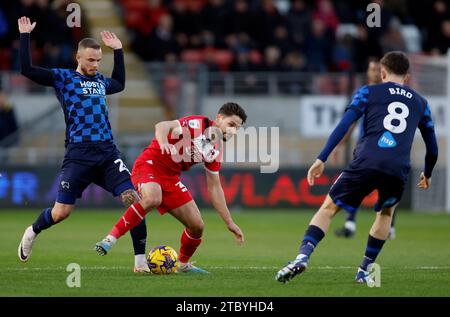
pixel 97 163
pixel 353 186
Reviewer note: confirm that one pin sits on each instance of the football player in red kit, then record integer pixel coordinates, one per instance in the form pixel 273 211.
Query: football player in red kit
pixel 177 146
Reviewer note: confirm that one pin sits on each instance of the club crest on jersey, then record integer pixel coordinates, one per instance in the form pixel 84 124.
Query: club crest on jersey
pixel 194 124
pixel 387 140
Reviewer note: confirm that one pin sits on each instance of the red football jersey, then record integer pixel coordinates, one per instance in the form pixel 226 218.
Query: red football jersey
pixel 197 143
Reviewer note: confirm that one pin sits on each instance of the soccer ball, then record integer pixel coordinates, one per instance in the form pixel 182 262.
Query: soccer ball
pixel 162 260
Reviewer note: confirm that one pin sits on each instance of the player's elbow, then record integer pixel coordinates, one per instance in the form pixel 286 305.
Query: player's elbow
pixel 119 88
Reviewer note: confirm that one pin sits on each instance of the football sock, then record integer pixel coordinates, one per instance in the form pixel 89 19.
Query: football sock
pixel 139 237
pixel 140 260
pixel 189 244
pixel 44 221
pixel 350 225
pixel 131 218
pixel 312 237
pixel 351 216
pixel 373 247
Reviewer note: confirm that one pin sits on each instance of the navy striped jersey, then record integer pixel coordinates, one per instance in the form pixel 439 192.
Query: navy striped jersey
pixel 83 101
pixel 392 113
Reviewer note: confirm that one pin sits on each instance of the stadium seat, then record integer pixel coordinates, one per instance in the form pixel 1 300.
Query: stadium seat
pixel 192 56
pixel 223 59
pixel 5 59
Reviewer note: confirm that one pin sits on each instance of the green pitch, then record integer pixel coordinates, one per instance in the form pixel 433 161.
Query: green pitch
pixel 416 263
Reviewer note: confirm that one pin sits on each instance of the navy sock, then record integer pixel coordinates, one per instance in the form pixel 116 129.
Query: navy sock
pixel 139 237
pixel 312 237
pixel 44 221
pixel 351 216
pixel 393 220
pixel 373 247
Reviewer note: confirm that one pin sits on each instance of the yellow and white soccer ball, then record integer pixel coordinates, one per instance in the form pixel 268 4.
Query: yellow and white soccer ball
pixel 162 260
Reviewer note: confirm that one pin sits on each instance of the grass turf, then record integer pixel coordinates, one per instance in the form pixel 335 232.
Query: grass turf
pixel 416 263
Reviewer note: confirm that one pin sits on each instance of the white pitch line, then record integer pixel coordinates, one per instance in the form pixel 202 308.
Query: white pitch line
pixel 109 268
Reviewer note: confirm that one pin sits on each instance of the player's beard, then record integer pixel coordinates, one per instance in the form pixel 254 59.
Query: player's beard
pixel 89 72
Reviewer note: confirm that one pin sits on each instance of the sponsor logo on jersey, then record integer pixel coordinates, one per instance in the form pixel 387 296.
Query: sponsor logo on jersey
pixel 387 140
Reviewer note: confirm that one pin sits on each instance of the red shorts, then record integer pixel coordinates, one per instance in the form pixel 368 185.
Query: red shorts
pixel 174 193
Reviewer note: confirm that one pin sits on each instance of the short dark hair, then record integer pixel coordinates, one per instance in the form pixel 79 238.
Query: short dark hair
pixel 231 108
pixel 396 62
pixel 89 42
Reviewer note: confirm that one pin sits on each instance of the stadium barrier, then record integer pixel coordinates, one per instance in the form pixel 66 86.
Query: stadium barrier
pixel 25 187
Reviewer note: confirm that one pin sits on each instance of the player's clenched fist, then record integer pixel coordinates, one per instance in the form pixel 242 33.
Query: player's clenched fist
pixel 25 25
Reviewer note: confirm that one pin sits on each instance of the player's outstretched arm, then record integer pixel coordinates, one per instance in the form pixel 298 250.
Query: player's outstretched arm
pixel 350 116
pixel 39 75
pixel 426 128
pixel 218 201
pixel 117 80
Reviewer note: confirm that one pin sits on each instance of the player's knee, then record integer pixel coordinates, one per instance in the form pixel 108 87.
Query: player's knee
pixel 149 202
pixel 329 209
pixel 196 228
pixel 387 212
pixel 59 215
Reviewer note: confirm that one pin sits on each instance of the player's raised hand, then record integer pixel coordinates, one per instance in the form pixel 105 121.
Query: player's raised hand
pixel 168 148
pixel 315 171
pixel 111 40
pixel 424 182
pixel 237 232
pixel 25 25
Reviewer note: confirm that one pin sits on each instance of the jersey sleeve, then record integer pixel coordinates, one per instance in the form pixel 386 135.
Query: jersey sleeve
pixel 213 167
pixel 359 101
pixel 426 127
pixel 107 82
pixel 59 76
pixel 195 125
pixel 426 122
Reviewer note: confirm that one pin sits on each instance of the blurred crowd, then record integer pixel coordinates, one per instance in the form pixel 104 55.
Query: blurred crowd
pixel 52 42
pixel 240 35
pixel 281 35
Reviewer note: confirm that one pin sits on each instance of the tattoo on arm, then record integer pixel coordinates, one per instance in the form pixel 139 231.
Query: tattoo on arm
pixel 129 197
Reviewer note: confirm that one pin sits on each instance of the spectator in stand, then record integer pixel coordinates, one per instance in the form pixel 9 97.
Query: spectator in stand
pixel 361 48
pixel 241 19
pixel 443 44
pixel 376 33
pixel 161 41
pixel 318 47
pixel 8 123
pixel 325 13
pixel 267 18
pixel 282 40
pixel 186 25
pixel 294 62
pixel 272 60
pixel 215 21
pixel 299 20
pixel 393 40
pixel 342 53
pixel 440 13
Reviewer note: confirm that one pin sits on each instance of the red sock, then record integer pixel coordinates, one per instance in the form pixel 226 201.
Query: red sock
pixel 188 246
pixel 130 219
